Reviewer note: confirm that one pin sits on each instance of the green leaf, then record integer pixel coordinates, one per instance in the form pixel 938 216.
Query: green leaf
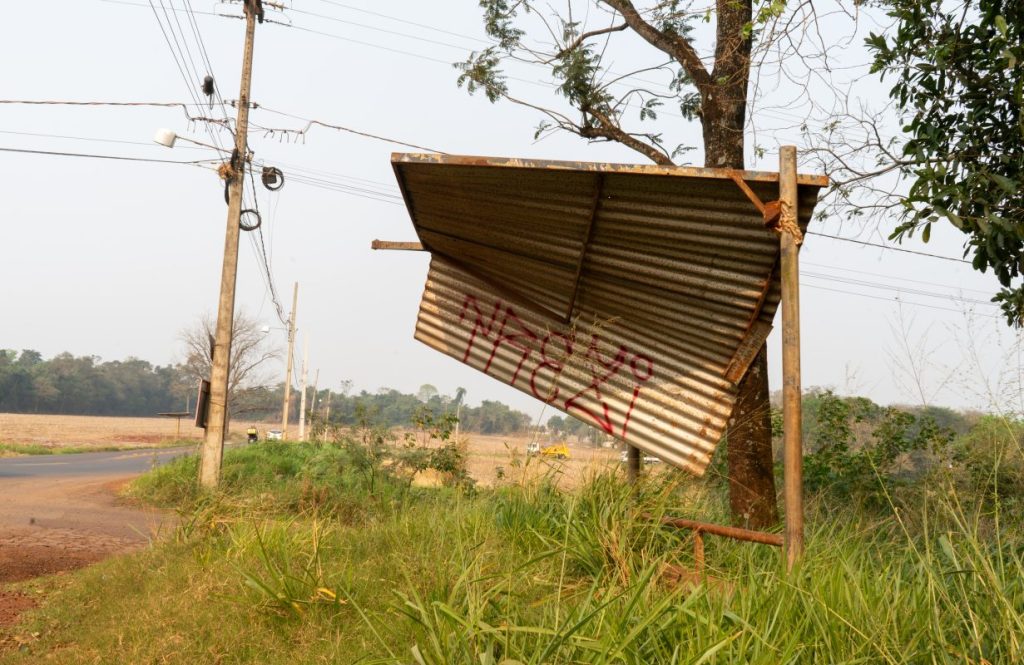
pixel 1008 185
pixel 1004 29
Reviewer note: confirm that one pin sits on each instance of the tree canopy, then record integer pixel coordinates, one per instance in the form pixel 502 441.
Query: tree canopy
pixel 958 83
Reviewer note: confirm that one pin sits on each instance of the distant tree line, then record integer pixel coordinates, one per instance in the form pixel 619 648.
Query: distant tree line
pixel 386 407
pixel 85 385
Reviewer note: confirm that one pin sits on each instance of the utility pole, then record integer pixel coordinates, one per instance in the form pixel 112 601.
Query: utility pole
pixel 302 400
pixel 327 414
pixel 288 372
pixel 213 440
pixel 312 405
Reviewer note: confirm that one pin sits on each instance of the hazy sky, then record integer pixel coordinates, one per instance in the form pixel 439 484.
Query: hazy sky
pixel 114 258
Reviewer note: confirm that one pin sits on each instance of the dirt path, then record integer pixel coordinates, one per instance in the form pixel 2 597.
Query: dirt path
pixel 53 525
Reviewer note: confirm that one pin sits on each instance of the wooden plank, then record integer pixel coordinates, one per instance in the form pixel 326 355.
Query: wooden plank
pixel 747 351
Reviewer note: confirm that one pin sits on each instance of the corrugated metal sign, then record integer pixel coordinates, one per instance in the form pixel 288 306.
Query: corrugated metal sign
pixel 631 297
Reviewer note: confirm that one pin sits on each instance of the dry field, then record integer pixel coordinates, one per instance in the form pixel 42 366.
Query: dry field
pixel 489 456
pixel 91 431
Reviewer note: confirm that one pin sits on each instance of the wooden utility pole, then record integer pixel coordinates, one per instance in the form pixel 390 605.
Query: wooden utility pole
pixel 327 414
pixel 213 440
pixel 312 405
pixel 632 463
pixel 302 400
pixel 791 407
pixel 288 372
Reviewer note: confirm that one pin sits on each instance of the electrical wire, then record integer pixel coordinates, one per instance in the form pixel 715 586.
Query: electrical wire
pixel 898 289
pixel 311 122
pixel 893 299
pixel 89 138
pixel 893 277
pixel 889 247
pixel 114 157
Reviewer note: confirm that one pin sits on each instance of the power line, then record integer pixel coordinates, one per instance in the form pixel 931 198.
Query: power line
pixel 894 277
pixel 87 138
pixel 406 22
pixel 898 289
pixel 894 299
pixel 115 157
pixel 889 247
pixel 310 122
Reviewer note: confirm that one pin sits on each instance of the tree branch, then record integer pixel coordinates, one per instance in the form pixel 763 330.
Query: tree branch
pixel 675 46
pixel 576 43
pixel 611 131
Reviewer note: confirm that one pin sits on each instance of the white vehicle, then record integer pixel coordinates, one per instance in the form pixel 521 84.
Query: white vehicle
pixel 533 448
pixel 648 459
pixel 274 435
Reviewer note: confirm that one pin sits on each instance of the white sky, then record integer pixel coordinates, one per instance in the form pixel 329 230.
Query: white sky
pixel 114 258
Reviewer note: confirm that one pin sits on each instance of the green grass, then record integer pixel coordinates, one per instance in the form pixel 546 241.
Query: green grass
pixel 311 554
pixel 37 449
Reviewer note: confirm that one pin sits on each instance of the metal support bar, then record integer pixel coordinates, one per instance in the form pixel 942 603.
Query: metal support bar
pixel 769 211
pixel 587 237
pixel 734 532
pixel 791 398
pixel 397 245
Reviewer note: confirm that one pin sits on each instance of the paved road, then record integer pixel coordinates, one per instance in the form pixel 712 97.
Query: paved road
pixel 81 465
pixel 60 512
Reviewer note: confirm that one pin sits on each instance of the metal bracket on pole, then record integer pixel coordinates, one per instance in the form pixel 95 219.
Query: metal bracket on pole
pixel 771 211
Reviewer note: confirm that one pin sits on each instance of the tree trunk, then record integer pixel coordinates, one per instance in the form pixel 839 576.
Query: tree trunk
pixel 723 116
pixel 749 449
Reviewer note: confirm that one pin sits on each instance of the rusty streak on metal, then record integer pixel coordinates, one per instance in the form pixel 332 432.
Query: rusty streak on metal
pixel 598 189
pixel 734 532
pixel 397 245
pixel 605 167
pixel 772 212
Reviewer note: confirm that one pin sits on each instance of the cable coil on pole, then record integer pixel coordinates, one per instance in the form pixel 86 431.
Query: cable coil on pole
pixel 250 226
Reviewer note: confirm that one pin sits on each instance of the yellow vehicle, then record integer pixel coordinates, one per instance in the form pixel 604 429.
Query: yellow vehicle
pixel 558 451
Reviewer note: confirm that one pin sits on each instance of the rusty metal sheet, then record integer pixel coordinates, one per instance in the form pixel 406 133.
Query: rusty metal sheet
pixel 627 296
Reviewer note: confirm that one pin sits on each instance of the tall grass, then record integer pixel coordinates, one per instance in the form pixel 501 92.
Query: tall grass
pixel 281 567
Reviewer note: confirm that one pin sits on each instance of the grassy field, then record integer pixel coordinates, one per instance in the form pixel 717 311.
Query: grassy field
pixel 332 553
pixel 91 432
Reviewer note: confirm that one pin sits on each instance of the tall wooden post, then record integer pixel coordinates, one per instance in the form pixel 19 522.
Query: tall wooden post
pixel 789 239
pixel 632 463
pixel 217 419
pixel 288 363
pixel 302 399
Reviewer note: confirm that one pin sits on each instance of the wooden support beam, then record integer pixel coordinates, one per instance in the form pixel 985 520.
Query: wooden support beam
pixel 397 245
pixel 791 385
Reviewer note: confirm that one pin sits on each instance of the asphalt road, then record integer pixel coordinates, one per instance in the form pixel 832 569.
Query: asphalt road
pixel 83 465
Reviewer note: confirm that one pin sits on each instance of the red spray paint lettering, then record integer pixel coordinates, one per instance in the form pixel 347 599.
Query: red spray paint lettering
pixel 548 355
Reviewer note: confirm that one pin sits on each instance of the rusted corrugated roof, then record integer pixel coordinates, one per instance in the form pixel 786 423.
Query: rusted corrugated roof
pixel 631 297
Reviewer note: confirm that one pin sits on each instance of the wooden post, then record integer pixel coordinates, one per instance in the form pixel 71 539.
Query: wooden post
pixel 698 552
pixel 632 463
pixel 288 371
pixel 791 408
pixel 302 399
pixel 217 420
